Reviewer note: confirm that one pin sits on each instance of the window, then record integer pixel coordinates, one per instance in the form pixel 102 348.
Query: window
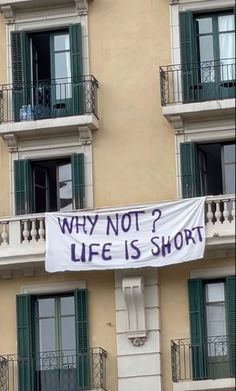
pixel 47 71
pixel 207 169
pixel 208 55
pixel 49 185
pixel 53 342
pixel 212 321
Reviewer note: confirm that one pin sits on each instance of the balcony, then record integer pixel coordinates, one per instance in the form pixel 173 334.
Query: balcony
pixel 54 371
pixel 22 238
pixel 54 105
pixel 189 374
pixel 198 90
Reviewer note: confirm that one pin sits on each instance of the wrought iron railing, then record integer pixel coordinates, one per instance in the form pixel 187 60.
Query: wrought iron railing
pixel 48 99
pixel 192 361
pixel 209 80
pixel 54 371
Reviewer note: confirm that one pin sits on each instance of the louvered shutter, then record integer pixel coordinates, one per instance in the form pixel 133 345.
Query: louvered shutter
pixel 188 57
pixel 82 342
pixel 230 308
pixel 23 187
pixel 20 52
pixel 25 344
pixel 190 172
pixel 198 338
pixel 78 180
pixel 78 85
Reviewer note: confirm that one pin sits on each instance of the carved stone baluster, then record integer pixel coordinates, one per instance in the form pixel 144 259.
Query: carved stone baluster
pixel 233 211
pixel 218 213
pixel 4 234
pixel 210 214
pixel 226 212
pixel 33 231
pixel 25 232
pixel 41 230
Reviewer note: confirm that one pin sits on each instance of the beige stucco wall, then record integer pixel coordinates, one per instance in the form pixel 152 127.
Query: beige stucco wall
pixel 134 158
pixel 4 161
pixel 100 286
pixel 174 310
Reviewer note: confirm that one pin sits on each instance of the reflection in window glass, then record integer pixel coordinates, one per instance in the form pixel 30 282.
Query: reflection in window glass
pixel 229 168
pixel 204 25
pixel 46 307
pixel 68 333
pixel 216 323
pixel 65 187
pixel 47 334
pixel 67 305
pixel 62 42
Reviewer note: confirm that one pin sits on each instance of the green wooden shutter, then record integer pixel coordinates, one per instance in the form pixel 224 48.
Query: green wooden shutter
pixel 76 69
pixel 230 307
pixel 20 51
pixel 25 342
pixel 82 342
pixel 190 172
pixel 23 186
pixel 78 183
pixel 188 57
pixel 198 338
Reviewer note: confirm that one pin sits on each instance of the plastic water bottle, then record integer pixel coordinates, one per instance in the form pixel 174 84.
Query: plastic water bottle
pixel 29 112
pixel 23 113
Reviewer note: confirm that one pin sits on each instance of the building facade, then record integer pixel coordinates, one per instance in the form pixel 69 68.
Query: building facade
pixel 92 117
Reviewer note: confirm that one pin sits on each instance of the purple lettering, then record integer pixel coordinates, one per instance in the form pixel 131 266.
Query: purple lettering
pixel 198 228
pixel 65 225
pixel 106 250
pixel 134 247
pixel 110 224
pixel 188 236
pixel 156 250
pixel 165 246
pixel 178 238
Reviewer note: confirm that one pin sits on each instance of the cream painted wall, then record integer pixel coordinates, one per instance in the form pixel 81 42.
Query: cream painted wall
pixel 174 300
pixel 4 161
pixel 134 157
pixel 101 312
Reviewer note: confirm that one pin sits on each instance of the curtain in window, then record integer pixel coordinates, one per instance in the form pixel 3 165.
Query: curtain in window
pixel 227 46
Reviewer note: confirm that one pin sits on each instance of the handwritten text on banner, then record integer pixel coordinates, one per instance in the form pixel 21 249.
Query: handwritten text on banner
pixel 154 235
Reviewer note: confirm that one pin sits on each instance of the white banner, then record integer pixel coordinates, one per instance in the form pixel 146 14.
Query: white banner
pixel 140 236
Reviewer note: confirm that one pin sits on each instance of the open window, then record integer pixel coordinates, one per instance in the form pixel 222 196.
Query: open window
pixel 212 321
pixel 207 169
pixel 207 55
pixel 47 72
pixel 53 345
pixel 49 185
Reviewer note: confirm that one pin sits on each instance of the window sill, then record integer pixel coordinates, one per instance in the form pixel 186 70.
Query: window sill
pixel 205 385
pixel 198 110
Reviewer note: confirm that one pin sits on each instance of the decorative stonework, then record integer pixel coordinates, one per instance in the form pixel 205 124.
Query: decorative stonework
pixel 85 135
pixel 8 13
pixel 133 293
pixel 138 341
pixel 82 5
pixel 11 141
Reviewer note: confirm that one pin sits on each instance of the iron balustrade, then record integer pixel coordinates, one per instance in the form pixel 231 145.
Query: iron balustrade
pixel 48 99
pixel 54 371
pixel 215 360
pixel 204 81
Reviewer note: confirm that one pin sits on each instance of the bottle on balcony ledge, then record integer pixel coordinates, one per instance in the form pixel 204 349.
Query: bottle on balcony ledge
pixel 23 113
pixel 29 113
